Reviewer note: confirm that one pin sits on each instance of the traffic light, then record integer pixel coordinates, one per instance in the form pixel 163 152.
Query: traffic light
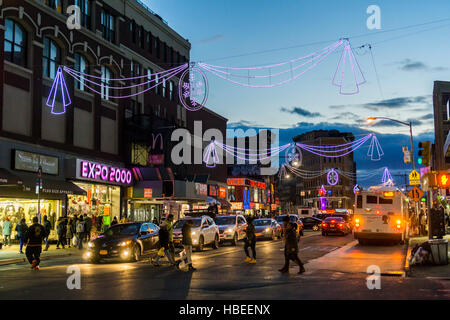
pixel 424 153
pixel 443 180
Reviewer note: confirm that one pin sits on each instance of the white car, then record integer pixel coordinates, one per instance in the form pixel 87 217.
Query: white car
pixel 231 228
pixel 204 232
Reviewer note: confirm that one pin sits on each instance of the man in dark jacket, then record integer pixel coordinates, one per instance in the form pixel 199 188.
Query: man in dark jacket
pixel 250 241
pixel 291 246
pixel 187 242
pixel 47 227
pixel 35 235
pixel 21 229
pixel 61 231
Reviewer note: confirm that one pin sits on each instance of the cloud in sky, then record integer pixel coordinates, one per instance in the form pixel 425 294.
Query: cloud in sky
pixel 392 103
pixel 411 65
pixel 213 38
pixel 301 112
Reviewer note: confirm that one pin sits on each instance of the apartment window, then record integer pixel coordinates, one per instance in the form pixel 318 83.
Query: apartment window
pixel 141 37
pixel 164 88
pixel 54 4
pixel 133 31
pixel 15 43
pixel 150 42
pixel 106 82
pixel 135 69
pixel 165 52
pixel 149 77
pixel 80 66
pixel 108 26
pixel 157 48
pixel 156 83
pixel 51 58
pixel 171 90
pixel 171 56
pixel 85 12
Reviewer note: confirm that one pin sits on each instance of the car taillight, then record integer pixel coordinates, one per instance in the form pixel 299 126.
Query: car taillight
pixel 340 225
pixel 332 221
pixel 324 225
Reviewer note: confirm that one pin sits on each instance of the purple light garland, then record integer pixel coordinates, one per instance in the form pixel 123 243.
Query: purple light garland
pixel 210 151
pixel 341 66
pixel 375 144
pixel 324 55
pixel 58 81
pixel 387 178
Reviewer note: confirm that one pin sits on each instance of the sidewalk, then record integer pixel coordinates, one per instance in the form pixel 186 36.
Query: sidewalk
pixel 427 271
pixel 9 255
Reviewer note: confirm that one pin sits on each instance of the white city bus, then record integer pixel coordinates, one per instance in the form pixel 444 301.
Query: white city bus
pixel 380 214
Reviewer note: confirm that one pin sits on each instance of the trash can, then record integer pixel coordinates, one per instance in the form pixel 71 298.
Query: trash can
pixel 439 251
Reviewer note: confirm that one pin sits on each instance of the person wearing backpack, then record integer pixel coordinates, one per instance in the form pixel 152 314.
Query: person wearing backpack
pixel 47 227
pixel 80 231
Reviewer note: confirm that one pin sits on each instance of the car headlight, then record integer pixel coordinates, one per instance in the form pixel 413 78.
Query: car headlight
pixel 229 230
pixel 193 233
pixel 267 230
pixel 125 243
pixel 91 244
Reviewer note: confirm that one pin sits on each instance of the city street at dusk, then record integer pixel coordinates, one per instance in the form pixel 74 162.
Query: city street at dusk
pixel 224 158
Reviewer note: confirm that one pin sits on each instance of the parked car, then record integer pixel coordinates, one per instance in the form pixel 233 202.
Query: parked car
pixel 231 228
pixel 204 232
pixel 292 218
pixel 126 241
pixel 311 223
pixel 267 229
pixel 335 225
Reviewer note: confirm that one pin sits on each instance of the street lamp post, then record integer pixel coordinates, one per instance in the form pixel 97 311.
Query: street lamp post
pixel 370 119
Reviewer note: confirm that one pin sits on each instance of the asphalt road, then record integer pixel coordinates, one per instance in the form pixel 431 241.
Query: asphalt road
pixel 336 269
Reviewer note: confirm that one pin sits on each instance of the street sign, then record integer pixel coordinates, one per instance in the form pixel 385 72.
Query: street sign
pixel 415 194
pixel 414 178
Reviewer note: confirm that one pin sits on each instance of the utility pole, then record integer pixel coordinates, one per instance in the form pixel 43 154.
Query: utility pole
pixel 38 191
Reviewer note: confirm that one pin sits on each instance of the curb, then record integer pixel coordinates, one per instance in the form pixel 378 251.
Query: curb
pixel 47 257
pixel 406 266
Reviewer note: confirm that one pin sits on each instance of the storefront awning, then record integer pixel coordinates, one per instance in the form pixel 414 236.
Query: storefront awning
pixel 52 186
pixel 8 178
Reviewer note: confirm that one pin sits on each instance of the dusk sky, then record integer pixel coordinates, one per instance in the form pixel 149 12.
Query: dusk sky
pixel 408 60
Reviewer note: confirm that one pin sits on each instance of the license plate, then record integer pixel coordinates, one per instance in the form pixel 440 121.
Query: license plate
pixel 259 234
pixel 331 225
pixel 103 252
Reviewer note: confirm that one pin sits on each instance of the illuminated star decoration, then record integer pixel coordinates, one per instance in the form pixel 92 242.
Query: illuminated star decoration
pixel 332 177
pixel 375 146
pixel 211 154
pixel 387 178
pixel 351 85
pixel 58 83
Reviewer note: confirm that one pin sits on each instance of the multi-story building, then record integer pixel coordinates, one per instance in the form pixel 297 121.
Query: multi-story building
pixel 88 152
pixel 441 107
pixel 308 191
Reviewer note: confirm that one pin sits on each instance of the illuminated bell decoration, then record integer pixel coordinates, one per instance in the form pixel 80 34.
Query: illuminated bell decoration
pixel 59 85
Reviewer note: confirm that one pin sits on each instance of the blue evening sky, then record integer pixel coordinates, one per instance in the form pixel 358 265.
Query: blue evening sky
pixel 407 61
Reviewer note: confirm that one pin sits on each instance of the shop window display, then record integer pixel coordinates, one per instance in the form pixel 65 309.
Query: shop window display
pixel 101 204
pixel 16 209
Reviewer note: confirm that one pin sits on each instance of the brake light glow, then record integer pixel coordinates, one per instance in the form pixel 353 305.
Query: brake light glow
pixel 340 225
pixel 324 225
pixel 332 221
pixel 357 223
pixel 378 212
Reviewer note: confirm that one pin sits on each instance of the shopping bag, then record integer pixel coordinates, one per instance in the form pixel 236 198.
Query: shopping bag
pixel 74 241
pixel 182 261
pixel 161 252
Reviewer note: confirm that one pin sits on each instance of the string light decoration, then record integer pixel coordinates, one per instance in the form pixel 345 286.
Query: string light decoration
pixel 293 155
pixel 358 76
pixel 291 70
pixel 387 178
pixel 58 83
pixel 101 85
pixel 193 92
pixel 332 177
pixel 375 147
pixel 210 157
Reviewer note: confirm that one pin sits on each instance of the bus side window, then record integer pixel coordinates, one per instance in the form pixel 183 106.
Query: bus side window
pixel 372 199
pixel 359 202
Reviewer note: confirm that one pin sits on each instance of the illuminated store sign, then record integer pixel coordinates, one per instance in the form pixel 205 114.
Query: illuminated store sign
pixel 103 173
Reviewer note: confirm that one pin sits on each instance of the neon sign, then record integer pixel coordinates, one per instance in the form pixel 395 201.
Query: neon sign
pixel 96 171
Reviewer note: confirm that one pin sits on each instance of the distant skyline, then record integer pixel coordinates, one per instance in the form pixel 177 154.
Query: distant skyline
pixel 407 61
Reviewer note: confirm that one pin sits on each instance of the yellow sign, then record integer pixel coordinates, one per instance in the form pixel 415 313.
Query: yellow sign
pixel 414 178
pixel 415 194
